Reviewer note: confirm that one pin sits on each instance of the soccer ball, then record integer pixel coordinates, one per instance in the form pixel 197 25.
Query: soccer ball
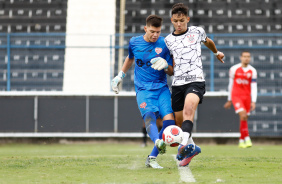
pixel 172 135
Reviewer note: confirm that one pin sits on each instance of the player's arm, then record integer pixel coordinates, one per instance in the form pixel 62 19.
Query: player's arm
pixel 254 92
pixel 127 64
pixel 210 44
pixel 169 70
pixel 118 79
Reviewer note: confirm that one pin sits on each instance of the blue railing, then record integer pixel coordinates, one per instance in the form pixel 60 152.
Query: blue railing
pixel 270 43
pixel 29 41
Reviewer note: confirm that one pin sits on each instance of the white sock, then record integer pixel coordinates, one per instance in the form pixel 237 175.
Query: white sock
pixel 241 141
pixel 185 138
pixel 190 140
pixel 156 142
pixel 247 138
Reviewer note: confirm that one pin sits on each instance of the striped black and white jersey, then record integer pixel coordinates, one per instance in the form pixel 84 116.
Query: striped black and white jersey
pixel 186 51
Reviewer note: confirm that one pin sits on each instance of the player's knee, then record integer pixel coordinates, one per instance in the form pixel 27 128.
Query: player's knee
pixel 188 110
pixel 149 117
pixel 243 117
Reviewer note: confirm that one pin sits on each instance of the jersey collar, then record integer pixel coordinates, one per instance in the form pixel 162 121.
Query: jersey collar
pixel 181 33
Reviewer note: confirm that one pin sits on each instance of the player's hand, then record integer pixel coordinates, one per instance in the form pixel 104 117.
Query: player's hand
pixel 116 81
pixel 253 106
pixel 220 56
pixel 159 63
pixel 227 105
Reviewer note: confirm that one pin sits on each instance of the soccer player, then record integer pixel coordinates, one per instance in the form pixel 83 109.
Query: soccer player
pixel 243 94
pixel 152 63
pixel 188 86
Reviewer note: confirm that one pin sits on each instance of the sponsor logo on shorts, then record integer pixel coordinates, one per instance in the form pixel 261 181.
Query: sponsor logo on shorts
pixel 237 104
pixel 143 105
pixel 195 90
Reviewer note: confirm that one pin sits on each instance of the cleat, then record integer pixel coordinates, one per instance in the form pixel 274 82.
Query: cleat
pixel 188 158
pixel 248 144
pixel 161 146
pixel 242 145
pixel 151 162
pixel 183 151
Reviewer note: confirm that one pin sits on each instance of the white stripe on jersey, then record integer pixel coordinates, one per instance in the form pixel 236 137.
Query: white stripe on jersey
pixel 186 51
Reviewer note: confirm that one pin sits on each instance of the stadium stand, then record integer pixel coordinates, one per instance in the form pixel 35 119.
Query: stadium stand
pixel 36 61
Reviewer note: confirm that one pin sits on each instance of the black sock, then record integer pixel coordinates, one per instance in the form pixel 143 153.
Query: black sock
pixel 187 126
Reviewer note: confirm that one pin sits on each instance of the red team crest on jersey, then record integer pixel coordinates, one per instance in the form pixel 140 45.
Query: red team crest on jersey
pixel 191 38
pixel 143 105
pixel 158 50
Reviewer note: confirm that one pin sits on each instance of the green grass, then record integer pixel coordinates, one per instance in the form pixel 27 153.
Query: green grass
pixel 124 163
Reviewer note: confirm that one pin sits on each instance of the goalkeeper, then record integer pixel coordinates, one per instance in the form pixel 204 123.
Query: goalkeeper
pixel 152 63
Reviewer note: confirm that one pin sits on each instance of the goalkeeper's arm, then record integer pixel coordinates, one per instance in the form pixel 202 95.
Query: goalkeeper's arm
pixel 118 79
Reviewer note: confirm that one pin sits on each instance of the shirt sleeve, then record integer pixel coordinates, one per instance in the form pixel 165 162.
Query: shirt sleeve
pixel 230 85
pixel 130 52
pixel 203 35
pixel 165 40
pixel 254 87
pixel 167 56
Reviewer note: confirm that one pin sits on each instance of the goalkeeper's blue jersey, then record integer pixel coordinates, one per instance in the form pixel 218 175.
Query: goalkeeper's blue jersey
pixel 145 77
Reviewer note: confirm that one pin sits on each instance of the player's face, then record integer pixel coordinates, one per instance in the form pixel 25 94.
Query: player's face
pixel 245 58
pixel 179 22
pixel 152 33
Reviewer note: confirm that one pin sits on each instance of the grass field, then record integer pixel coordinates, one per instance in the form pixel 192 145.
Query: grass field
pixel 124 163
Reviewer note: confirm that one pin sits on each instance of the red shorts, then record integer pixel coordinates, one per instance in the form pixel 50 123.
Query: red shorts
pixel 241 103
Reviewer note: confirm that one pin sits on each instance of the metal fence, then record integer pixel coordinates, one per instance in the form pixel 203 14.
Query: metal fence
pixel 28 61
pixel 266 58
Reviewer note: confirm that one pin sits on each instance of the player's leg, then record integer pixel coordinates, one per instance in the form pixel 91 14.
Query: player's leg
pixel 159 123
pixel 247 104
pixel 165 109
pixel 243 128
pixel 188 149
pixel 146 101
pixel 178 118
pixel 240 109
pixel 194 96
pixel 178 99
pixel 160 147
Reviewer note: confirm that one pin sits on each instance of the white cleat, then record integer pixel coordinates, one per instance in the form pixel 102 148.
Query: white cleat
pixel 151 162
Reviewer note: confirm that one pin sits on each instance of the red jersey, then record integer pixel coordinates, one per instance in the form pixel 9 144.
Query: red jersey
pixel 240 80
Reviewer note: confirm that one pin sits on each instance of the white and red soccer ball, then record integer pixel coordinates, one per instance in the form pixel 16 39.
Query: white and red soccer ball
pixel 172 135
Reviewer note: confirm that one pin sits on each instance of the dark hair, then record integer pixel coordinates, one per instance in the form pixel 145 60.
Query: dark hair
pixel 179 8
pixel 154 20
pixel 244 52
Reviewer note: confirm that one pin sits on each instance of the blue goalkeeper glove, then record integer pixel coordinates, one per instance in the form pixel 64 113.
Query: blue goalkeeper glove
pixel 116 81
pixel 159 63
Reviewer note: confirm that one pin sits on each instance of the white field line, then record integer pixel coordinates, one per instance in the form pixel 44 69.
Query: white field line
pixel 185 173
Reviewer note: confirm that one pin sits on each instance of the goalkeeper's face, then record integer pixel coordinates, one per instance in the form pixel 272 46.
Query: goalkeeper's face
pixel 152 33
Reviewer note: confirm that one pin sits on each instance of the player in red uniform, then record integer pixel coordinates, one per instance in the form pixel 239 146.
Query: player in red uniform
pixel 243 94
